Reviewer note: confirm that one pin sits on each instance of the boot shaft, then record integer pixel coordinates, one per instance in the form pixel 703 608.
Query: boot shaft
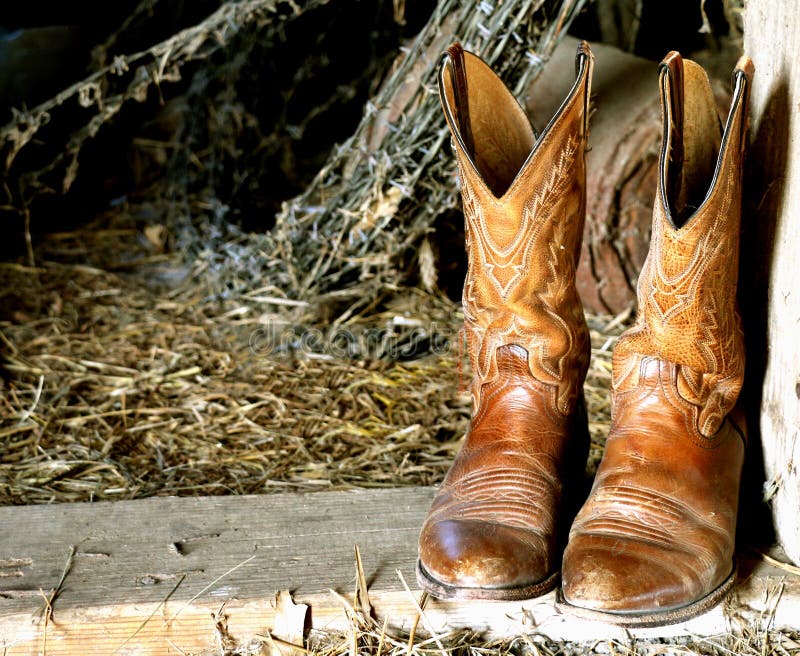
pixel 524 205
pixel 687 288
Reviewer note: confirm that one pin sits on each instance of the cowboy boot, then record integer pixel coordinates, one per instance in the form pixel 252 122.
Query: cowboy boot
pixel 499 518
pixel 654 542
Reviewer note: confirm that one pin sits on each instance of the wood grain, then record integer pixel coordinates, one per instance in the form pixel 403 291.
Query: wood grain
pixel 157 575
pixel 772 39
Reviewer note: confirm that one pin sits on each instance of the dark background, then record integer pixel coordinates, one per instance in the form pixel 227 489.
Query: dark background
pixel 305 93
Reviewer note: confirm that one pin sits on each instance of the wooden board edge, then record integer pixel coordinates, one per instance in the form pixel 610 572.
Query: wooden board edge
pixel 175 627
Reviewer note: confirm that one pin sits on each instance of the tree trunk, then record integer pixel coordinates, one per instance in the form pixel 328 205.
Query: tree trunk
pixel 768 284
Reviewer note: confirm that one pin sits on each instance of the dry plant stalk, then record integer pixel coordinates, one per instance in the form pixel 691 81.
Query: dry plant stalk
pixel 349 239
pixel 343 246
pixel 345 237
pixel 113 390
pixel 107 89
pixel 368 635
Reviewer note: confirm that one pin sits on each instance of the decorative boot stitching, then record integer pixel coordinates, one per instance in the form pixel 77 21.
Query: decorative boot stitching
pixel 689 315
pixel 541 313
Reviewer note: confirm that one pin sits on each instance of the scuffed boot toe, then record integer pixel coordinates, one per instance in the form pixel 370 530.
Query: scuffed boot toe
pixel 614 579
pixel 463 559
pixel 630 583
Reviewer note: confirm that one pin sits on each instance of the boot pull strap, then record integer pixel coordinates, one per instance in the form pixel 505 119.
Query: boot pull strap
pixel 671 69
pixel 742 73
pixel 454 55
pixel 583 57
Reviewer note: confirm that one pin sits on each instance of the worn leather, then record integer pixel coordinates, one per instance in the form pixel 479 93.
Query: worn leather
pixel 657 531
pixel 498 518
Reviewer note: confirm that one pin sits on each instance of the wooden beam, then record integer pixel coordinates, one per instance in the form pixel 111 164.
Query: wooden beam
pixel 157 575
pixel 772 39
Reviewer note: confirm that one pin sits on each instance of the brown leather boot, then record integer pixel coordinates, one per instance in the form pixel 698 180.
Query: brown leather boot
pixel 654 542
pixel 497 524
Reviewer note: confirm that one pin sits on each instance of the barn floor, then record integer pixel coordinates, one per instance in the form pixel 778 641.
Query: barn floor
pixel 123 377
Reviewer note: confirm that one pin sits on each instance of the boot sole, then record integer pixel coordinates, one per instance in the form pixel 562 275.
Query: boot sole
pixel 446 591
pixel 648 620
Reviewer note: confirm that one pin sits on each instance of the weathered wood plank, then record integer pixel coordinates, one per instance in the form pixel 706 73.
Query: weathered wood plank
pixel 228 556
pixel 772 39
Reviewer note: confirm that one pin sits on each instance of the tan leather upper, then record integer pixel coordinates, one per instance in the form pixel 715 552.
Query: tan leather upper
pixel 657 532
pixel 523 230
pixel 496 522
pixel 687 287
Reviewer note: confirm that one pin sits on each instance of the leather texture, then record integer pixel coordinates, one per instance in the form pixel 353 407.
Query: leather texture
pixel 656 534
pixel 498 522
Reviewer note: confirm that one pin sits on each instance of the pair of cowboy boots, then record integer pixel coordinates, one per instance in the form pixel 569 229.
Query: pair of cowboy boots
pixel 654 542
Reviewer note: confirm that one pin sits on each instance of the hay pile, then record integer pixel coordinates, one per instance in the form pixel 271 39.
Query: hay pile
pixel 116 387
pixel 164 349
